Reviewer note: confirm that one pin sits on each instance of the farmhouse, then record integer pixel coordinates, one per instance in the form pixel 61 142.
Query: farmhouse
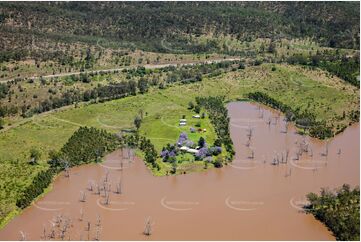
pixel 186 149
pixel 182 122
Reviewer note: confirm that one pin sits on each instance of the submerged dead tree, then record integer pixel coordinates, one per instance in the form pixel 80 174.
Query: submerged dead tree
pixel 97 233
pixel 22 236
pixel 66 223
pixel 106 175
pixel 276 120
pixel 106 199
pixel 250 132
pixel 131 155
pixel 269 122
pixel 282 159
pixel 98 221
pixel 96 189
pixel 326 150
pixel 285 131
pixel 125 153
pixel 90 185
pixel 52 231
pixel 87 228
pixel 248 143
pixel 251 155
pixel 339 152
pixel 81 216
pixel 148 227
pixel 43 236
pixel 304 146
pixel 118 188
pixel 57 220
pixel 82 196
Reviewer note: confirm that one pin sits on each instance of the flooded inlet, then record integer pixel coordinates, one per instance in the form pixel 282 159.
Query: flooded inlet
pixel 259 196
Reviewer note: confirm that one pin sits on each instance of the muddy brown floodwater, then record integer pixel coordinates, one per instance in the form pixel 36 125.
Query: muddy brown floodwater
pixel 251 199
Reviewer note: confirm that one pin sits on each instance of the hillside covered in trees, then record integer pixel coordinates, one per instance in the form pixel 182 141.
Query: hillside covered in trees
pixel 165 26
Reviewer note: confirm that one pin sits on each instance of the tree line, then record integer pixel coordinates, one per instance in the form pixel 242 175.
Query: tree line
pixel 342 66
pixel 41 181
pixel 304 119
pixel 339 211
pixel 139 80
pixel 86 145
pixel 218 114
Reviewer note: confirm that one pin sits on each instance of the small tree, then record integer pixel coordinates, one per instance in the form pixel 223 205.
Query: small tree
pixel 272 47
pixel 137 122
pixel 2 123
pixel 54 158
pixel 218 163
pixel 197 109
pixel 201 142
pixel 190 105
pixel 34 156
pixel 143 85
pixel 241 66
pixel 174 167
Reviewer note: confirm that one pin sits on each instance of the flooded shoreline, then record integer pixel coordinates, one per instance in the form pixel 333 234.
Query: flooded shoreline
pixel 253 198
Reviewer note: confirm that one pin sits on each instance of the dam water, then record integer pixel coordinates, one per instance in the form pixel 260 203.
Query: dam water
pixel 259 196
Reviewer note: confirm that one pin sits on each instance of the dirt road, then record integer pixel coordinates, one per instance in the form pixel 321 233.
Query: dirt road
pixel 151 66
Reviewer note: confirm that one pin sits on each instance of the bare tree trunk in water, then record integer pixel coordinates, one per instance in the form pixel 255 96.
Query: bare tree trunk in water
pixel 90 185
pixel 22 236
pixel 52 231
pixel 97 233
pixel 148 227
pixel 98 221
pixel 106 175
pixel 81 215
pixel 87 228
pixel 118 188
pixel 269 122
pixel 107 199
pixel 82 196
pixel 97 189
pixel 43 236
